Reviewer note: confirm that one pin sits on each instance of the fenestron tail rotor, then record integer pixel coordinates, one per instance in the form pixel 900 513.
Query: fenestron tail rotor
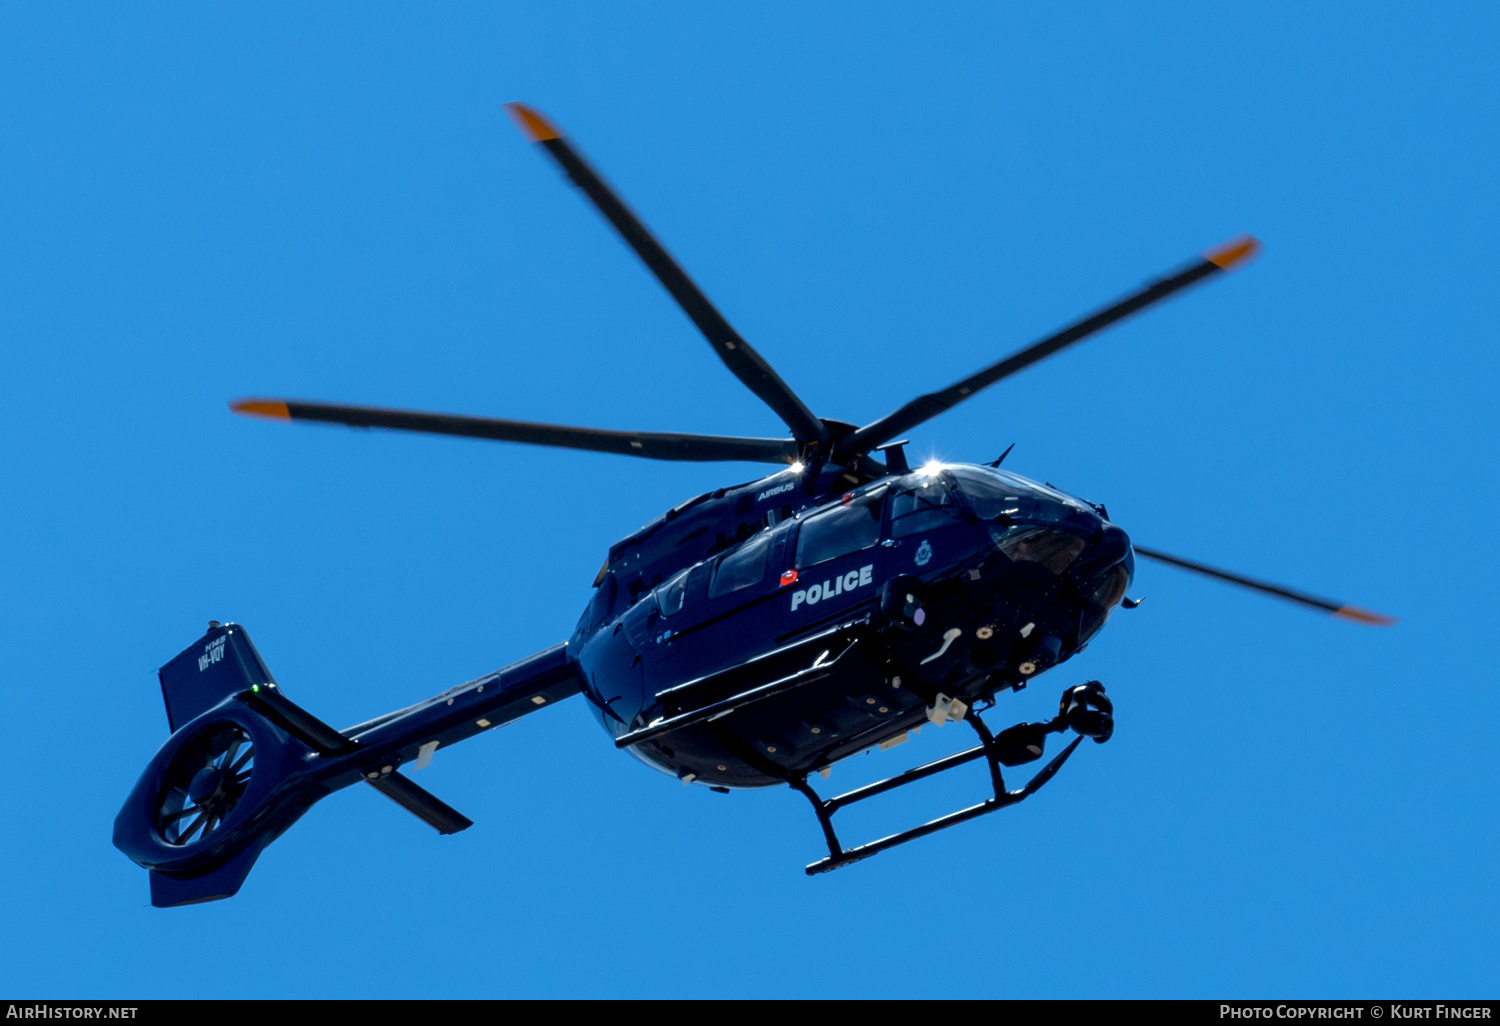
pixel 204 784
pixel 1340 609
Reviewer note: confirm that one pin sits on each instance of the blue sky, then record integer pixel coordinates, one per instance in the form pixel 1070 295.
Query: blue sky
pixel 204 202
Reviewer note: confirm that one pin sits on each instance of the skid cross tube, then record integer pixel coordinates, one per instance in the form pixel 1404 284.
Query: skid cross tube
pixel 824 808
pixel 911 776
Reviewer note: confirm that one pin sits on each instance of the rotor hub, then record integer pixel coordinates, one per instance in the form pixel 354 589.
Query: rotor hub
pixel 207 784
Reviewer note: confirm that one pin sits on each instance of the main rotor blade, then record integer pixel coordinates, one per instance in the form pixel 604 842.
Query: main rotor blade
pixel 738 355
pixel 926 407
pixel 656 446
pixel 1339 609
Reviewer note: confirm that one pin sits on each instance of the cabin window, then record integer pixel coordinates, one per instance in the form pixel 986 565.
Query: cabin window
pixel 604 600
pixel 848 527
pixel 745 567
pixel 926 507
pixel 671 595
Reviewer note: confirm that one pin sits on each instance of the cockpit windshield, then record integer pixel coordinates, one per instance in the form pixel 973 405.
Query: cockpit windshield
pixel 1055 550
pixel 992 492
pixel 1030 523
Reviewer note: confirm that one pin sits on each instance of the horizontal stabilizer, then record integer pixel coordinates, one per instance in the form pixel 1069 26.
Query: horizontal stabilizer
pixel 422 803
pixel 297 721
pixel 221 663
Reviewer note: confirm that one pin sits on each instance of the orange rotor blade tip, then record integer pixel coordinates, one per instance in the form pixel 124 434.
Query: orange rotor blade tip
pixel 536 127
pixel 1231 253
pixel 261 408
pixel 1365 616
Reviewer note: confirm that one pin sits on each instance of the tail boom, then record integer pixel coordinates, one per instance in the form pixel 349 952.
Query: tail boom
pixel 244 762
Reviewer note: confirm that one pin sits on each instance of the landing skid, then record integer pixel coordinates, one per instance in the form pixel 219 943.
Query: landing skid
pixel 1084 709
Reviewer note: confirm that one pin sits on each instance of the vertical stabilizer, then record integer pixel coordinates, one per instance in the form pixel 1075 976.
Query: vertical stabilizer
pixel 221 663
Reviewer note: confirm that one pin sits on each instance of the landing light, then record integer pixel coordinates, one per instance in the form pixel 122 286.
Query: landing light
pixel 797 467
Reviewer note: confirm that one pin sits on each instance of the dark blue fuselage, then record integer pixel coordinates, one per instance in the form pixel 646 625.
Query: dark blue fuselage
pixel 789 574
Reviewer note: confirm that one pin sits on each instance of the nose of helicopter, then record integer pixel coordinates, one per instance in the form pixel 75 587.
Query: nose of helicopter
pixel 1047 534
pixel 1110 548
pixel 1102 576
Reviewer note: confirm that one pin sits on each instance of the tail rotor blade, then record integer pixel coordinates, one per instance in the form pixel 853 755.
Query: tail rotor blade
pixel 738 355
pixel 925 407
pixel 1340 609
pixel 651 445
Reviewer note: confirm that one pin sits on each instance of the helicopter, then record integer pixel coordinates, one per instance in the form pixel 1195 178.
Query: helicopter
pixel 751 636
